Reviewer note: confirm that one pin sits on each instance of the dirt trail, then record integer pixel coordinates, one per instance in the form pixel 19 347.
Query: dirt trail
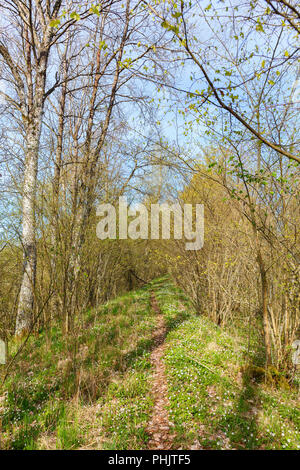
pixel 159 424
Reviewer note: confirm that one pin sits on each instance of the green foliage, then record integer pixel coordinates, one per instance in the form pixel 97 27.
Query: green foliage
pixel 216 402
pixel 94 390
pixel 68 433
pixel 105 344
pixel 128 408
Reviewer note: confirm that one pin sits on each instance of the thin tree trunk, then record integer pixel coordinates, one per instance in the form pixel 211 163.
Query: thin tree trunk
pixel 33 131
pixel 56 185
pixel 264 293
pixel 87 189
pixel 26 297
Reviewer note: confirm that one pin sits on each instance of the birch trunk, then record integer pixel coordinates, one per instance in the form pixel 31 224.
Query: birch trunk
pixel 33 130
pixel 26 298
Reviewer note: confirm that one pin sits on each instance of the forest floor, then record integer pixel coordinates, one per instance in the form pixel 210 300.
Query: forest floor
pixel 144 371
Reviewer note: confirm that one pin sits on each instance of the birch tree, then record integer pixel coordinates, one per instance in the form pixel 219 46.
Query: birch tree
pixel 30 29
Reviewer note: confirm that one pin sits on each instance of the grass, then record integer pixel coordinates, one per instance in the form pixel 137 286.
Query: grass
pixel 104 366
pixel 214 402
pixel 92 390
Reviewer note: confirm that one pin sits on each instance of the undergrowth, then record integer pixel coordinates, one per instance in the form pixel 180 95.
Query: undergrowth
pixel 92 388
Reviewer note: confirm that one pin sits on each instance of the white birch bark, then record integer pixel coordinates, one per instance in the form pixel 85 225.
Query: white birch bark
pixel 32 123
pixel 26 297
pixel 33 131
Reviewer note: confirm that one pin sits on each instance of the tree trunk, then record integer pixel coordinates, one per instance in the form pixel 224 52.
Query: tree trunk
pixel 26 298
pixel 55 238
pixel 264 293
pixel 32 122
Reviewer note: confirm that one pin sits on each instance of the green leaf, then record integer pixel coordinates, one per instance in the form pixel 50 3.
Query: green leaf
pixel 75 16
pixel 55 23
pixel 95 9
pixel 102 45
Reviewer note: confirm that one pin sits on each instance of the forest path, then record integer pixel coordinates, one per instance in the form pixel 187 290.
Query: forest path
pixel 159 426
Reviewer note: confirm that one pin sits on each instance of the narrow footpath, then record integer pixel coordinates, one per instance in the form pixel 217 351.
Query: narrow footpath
pixel 159 426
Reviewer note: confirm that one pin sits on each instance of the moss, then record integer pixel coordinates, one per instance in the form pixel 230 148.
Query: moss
pixel 270 376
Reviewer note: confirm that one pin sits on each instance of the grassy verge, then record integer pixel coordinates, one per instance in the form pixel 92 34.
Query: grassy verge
pixel 89 389
pixel 214 402
pixel 92 389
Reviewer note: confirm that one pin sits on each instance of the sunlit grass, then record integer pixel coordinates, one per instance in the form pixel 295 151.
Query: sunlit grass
pixel 214 403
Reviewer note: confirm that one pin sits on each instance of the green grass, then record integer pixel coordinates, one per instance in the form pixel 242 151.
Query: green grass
pixel 213 402
pixel 127 409
pixel 104 361
pixel 92 389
